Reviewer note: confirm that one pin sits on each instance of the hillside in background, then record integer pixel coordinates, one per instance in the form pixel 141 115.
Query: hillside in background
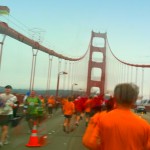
pixel 42 92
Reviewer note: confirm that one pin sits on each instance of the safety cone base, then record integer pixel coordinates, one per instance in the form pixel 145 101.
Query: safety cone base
pixel 34 140
pixel 29 145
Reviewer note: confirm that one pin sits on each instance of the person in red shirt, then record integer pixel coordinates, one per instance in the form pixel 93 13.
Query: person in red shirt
pixel 96 104
pixel 78 110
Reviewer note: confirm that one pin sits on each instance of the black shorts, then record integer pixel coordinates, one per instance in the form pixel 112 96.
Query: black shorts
pixel 5 120
pixel 68 116
pixel 88 114
pixel 77 113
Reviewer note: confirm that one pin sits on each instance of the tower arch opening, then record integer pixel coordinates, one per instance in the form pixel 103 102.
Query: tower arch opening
pixel 98 42
pixel 97 57
pixel 96 74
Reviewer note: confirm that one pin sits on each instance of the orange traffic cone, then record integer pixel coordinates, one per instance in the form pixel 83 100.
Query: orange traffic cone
pixel 34 140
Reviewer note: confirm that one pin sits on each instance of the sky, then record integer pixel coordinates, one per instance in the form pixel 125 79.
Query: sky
pixel 66 27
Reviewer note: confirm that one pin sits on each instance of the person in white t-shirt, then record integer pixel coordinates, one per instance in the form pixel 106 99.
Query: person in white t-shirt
pixel 7 101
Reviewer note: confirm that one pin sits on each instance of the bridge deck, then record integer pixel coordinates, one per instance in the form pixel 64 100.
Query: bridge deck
pixel 56 138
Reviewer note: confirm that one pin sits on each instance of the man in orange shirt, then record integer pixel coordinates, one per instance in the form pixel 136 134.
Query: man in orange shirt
pixel 88 107
pixel 68 110
pixel 121 129
pixel 50 105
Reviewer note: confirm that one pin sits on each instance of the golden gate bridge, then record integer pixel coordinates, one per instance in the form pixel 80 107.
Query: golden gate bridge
pixel 97 71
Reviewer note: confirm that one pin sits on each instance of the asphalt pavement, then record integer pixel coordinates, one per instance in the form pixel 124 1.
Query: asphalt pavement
pixel 50 132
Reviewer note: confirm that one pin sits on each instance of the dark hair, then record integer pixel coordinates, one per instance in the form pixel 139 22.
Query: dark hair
pixel 126 93
pixel 8 87
pixel 69 98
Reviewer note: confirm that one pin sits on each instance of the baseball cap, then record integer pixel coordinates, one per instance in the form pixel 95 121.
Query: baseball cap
pixel 8 87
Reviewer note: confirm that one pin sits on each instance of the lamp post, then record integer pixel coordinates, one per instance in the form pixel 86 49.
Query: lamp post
pixel 58 78
pixel 82 92
pixel 72 87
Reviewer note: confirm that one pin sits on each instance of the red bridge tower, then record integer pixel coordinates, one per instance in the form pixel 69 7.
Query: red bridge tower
pixel 101 65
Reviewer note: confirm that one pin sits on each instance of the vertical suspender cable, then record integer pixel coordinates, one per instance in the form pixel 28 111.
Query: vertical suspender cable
pixel 127 73
pixel 1 49
pixel 121 73
pixel 136 75
pixel 124 73
pixel 69 76
pixel 142 82
pixel 49 74
pixel 131 73
pixel 33 69
pixel 72 73
pixel 59 66
pixel 65 68
pixel 118 81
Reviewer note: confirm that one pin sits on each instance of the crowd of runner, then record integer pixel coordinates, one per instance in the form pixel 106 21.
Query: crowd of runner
pixel 106 117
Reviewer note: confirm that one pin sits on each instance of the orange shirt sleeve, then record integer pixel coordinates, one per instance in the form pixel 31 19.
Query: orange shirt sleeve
pixel 91 137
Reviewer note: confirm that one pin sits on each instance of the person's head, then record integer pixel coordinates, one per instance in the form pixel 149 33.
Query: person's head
pixel 70 99
pixel 32 93
pixel 126 93
pixel 41 96
pixel 52 96
pixel 8 89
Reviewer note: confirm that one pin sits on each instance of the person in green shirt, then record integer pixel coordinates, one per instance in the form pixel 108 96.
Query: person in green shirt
pixel 33 103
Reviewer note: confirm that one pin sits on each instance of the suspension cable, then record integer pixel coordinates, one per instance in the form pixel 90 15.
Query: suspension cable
pixel 34 54
pixel 136 75
pixel 1 48
pixel 131 72
pixel 69 75
pixel 65 69
pixel 142 82
pixel 49 74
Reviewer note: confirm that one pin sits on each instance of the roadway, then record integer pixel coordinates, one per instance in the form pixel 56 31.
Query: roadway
pixel 145 116
pixel 52 129
pixel 57 139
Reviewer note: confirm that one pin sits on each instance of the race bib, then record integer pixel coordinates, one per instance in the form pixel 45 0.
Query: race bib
pixel 31 103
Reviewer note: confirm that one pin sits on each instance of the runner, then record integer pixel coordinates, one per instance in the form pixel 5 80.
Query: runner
pixel 121 128
pixel 32 103
pixel 78 110
pixel 68 109
pixel 88 107
pixel 50 105
pixel 7 101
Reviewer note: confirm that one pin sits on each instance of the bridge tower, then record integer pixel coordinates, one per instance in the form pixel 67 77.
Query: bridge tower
pixel 101 65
